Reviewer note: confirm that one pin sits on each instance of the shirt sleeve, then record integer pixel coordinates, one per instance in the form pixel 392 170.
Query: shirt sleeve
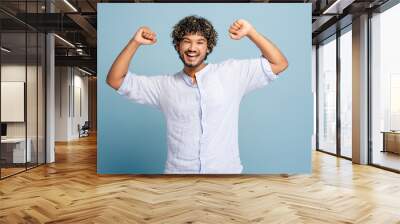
pixel 253 74
pixel 141 89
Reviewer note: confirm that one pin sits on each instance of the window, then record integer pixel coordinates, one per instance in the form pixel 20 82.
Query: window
pixel 385 88
pixel 346 74
pixel 327 95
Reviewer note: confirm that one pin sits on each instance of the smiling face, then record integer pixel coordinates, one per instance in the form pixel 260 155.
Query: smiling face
pixel 194 38
pixel 193 50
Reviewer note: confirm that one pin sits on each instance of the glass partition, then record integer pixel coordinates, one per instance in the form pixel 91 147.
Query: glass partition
pixel 22 88
pixel 385 89
pixel 31 100
pixel 13 108
pixel 41 87
pixel 346 92
pixel 327 95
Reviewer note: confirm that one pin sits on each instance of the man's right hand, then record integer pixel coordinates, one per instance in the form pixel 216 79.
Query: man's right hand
pixel 145 36
pixel 120 66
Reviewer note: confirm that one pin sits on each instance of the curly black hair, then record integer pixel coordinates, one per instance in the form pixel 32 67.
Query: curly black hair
pixel 195 25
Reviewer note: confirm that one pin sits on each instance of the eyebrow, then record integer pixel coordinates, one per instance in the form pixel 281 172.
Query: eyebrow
pixel 201 39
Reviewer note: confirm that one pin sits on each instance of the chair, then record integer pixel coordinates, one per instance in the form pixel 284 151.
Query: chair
pixel 84 130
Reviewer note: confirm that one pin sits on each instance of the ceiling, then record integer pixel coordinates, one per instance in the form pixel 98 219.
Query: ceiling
pixel 76 22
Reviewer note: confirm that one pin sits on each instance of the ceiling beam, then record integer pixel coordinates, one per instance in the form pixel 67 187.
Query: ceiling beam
pixel 83 61
pixel 84 24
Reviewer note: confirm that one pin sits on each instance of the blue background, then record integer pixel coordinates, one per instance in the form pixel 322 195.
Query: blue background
pixel 276 122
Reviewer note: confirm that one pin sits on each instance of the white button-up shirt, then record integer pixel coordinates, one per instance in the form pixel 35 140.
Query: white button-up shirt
pixel 202 119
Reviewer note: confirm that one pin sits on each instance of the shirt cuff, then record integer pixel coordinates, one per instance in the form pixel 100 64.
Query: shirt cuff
pixel 266 67
pixel 123 89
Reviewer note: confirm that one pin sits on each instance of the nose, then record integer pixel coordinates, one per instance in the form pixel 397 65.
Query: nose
pixel 191 47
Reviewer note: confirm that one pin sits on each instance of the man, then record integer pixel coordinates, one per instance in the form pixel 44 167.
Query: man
pixel 201 102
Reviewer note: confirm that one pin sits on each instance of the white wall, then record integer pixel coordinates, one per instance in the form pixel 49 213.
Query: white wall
pixel 314 92
pixel 15 72
pixel 62 81
pixel 70 83
pixel 80 89
pixel 33 127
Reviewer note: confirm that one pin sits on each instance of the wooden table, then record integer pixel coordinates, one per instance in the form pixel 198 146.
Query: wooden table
pixel 13 150
pixel 391 141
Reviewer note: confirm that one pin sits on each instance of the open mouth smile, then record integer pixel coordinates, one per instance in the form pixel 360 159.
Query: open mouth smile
pixel 191 55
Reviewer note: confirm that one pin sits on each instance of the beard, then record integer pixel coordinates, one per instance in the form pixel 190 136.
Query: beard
pixel 191 65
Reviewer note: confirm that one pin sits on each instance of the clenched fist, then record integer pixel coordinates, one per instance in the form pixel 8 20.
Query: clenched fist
pixel 239 29
pixel 145 36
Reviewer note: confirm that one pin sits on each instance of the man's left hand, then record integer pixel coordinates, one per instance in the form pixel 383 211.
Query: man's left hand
pixel 239 29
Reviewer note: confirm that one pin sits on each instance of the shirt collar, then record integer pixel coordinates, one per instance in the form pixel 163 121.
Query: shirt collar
pixel 198 75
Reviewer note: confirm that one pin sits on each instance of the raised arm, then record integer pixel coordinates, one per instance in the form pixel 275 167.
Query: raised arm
pixel 241 28
pixel 118 70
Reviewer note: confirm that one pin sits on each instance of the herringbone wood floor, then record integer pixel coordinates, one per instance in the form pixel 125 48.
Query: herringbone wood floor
pixel 70 191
